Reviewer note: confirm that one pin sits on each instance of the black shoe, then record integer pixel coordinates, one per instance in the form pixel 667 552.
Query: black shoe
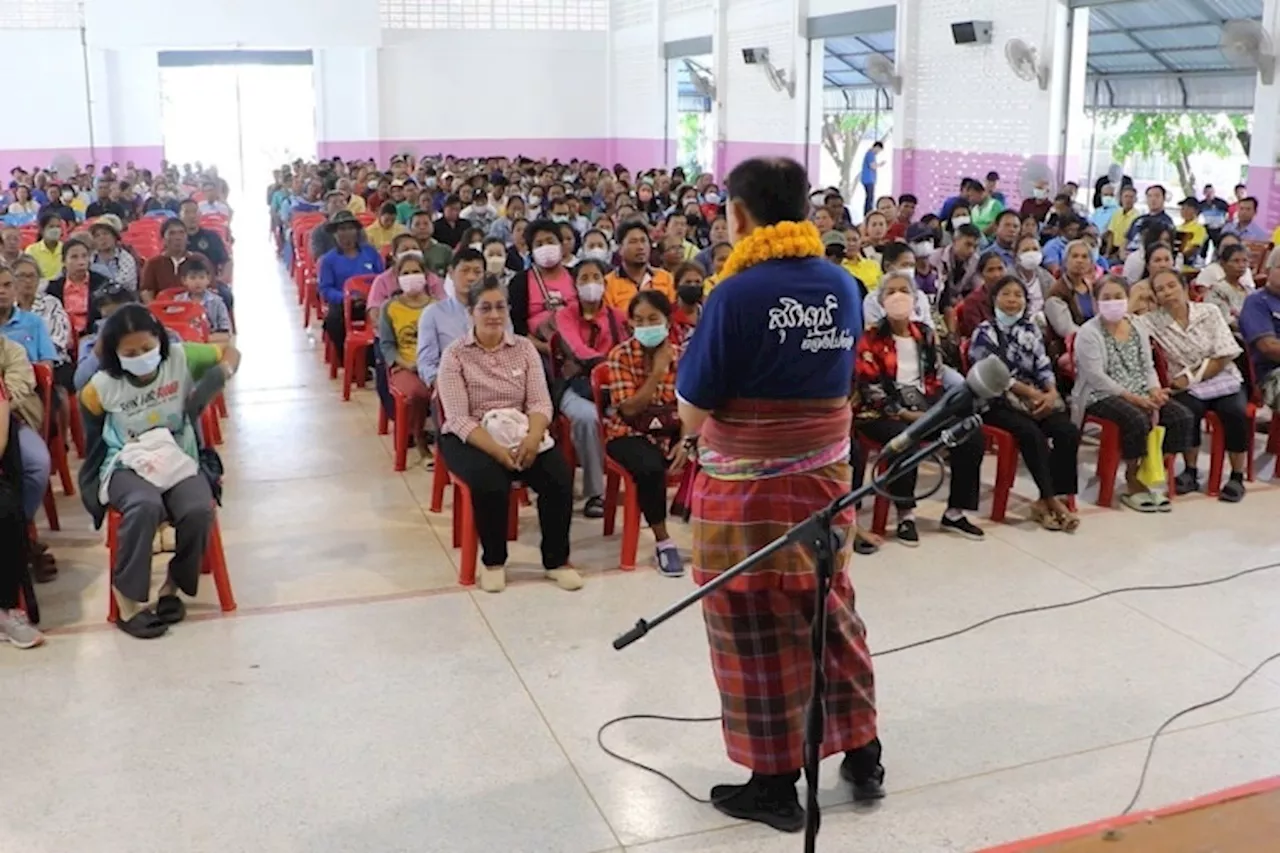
pixel 593 508
pixel 1233 491
pixel 144 625
pixel 865 790
pixel 1187 483
pixel 907 533
pixel 963 527
pixel 769 800
pixel 170 609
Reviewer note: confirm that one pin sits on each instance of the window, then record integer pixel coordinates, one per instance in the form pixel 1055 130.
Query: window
pixel 41 14
pixel 588 15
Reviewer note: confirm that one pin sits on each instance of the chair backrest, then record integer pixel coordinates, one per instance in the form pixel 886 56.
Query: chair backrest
pixel 1258 251
pixel 356 287
pixel 600 394
pixel 186 318
pixel 170 294
pixel 44 385
pixel 367 218
pixel 554 358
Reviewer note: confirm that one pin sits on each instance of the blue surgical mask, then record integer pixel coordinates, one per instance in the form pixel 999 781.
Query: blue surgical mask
pixel 651 337
pixel 1006 320
pixel 1109 201
pixel 141 365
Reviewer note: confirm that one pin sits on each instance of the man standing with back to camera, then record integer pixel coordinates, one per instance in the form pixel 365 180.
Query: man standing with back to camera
pixel 765 386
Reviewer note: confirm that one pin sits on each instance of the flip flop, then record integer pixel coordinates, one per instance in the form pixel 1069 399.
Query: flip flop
pixel 1162 502
pixel 170 610
pixel 144 625
pixel 1141 502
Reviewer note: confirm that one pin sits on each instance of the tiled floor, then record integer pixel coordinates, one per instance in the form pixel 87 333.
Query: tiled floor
pixel 361 701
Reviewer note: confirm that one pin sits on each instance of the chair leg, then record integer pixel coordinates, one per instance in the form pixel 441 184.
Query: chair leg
pixel 1252 449
pixel 470 536
pixel 221 403
pixel 1006 471
pixel 439 480
pixel 51 508
pixel 113 523
pixel 513 515
pixel 457 514
pixel 402 428
pixel 612 482
pixel 77 429
pixel 382 419
pixel 1108 463
pixel 630 526
pixel 216 559
pixel 362 352
pixel 1217 453
pixel 348 367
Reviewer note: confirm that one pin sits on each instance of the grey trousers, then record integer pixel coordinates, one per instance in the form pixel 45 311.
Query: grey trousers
pixel 585 427
pixel 188 506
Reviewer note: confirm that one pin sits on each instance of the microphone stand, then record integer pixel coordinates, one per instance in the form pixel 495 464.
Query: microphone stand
pixel 818 534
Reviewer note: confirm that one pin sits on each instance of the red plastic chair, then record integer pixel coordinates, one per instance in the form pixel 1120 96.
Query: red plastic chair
pixel 215 563
pixel 561 428
pixel 170 294
pixel 401 438
pixel 359 335
pixel 54 441
pixel 880 510
pixel 465 535
pixel 618 479
pixel 1005 447
pixel 186 318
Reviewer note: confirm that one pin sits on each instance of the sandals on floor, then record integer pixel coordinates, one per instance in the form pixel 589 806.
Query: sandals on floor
pixel 1070 522
pixel 145 625
pixel 1046 518
pixel 170 610
pixel 1144 502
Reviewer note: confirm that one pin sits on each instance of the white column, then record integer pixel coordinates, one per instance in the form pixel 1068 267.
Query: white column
pixel 1264 151
pixel 346 81
pixel 637 88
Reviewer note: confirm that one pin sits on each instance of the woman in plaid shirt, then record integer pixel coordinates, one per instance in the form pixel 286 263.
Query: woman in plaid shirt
pixel 641 427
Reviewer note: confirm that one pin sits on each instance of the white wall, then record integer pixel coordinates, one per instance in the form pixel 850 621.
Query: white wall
pixel 232 23
pixel 44 109
pixel 637 95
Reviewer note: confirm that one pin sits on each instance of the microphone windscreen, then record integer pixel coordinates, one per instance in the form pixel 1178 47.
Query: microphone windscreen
pixel 989 378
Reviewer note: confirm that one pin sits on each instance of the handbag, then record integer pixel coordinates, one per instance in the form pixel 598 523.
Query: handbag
pixel 661 421
pixel 1221 385
pixel 1151 470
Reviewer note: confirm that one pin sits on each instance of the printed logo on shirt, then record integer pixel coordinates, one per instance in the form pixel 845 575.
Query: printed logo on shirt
pixel 816 321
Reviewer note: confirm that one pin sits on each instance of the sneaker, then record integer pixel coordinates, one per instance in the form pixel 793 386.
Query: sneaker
pixel 1188 482
pixel 764 800
pixel 492 578
pixel 18 630
pixel 593 508
pixel 962 526
pixel 1232 491
pixel 864 790
pixel 566 577
pixel 907 533
pixel 669 562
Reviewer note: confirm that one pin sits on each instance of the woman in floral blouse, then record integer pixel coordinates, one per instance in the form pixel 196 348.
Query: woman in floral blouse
pixel 898 376
pixel 1032 411
pixel 26 278
pixel 1200 352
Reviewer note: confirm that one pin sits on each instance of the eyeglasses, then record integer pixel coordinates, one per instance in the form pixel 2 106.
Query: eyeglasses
pixel 492 307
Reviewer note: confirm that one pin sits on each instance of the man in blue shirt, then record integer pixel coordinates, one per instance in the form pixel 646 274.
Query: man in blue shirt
pixel 1055 251
pixel 445 321
pixel 1155 213
pixel 870 164
pixel 1260 328
pixel 352 257
pixel 23 327
pixel 763 392
pixel 1005 239
pixel 1246 226
pixel 1101 218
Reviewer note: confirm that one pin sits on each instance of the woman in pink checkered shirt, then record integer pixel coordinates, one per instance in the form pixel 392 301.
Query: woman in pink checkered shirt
pixel 486 370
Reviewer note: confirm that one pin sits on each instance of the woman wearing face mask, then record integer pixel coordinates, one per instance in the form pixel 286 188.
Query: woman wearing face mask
pixel 959 216
pixel 1116 381
pixel 47 251
pixel 545 287
pixel 585 330
pixel 642 430
pixel 896 257
pixel 398 341
pixel 495 260
pixel 647 203
pixel 1200 354
pixel 387 282
pixel 1229 292
pixel 690 285
pixel 1069 304
pixel 596 247
pixel 60 199
pixel 899 375
pixel 147 383
pixel 472 238
pixel 1034 277
pixel 1032 411
pixel 534 208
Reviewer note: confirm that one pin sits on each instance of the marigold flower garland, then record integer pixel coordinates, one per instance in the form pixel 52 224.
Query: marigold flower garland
pixel 784 240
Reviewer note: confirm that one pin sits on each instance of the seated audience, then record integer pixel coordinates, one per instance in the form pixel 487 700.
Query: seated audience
pixel 1215 273
pixel 197 278
pixel 1229 293
pixel 1069 304
pixel 387 282
pixel 11 245
pixel 545 287
pixel 1034 278
pixel 351 258
pixel 23 205
pixel 398 340
pixel 19 388
pixel 956 265
pixel 634 273
pixel 897 257
pixel 641 426
pixel 495 260
pixel 493 379
pixel 111 258
pixel 1200 354
pixel 15 627
pixel 47 251
pixel 161 272
pixel 1193 238
pixel 450 227
pixel 384 229
pixel 976 307
pixel 1032 411
pixel 26 277
pixel 446 320
pixel 690 292
pixel 437 254
pixel 1116 381
pixel 1260 328
pixel 148 384
pixel 899 376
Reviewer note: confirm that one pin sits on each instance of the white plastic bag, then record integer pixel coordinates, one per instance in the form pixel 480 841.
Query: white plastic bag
pixel 156 457
pixel 510 426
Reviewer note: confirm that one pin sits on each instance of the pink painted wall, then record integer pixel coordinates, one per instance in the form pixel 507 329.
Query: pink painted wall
pixel 565 149
pixel 934 176
pixel 143 156
pixel 1264 185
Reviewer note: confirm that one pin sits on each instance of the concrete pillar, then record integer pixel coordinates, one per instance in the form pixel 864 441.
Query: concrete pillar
pixel 1264 151
pixel 963 112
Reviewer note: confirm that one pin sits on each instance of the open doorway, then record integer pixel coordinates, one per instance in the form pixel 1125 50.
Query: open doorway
pixel 242 114
pixel 690 118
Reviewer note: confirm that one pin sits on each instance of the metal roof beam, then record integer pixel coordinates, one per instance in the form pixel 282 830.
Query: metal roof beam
pixel 1106 18
pixel 1124 31
pixel 1154 49
pixel 846 63
pixel 860 40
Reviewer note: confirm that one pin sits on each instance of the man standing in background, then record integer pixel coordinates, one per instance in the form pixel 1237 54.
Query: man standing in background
pixel 870 165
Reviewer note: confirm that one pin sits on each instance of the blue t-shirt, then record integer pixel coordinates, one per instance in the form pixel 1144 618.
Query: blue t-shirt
pixel 336 268
pixel 868 169
pixel 780 330
pixel 1259 317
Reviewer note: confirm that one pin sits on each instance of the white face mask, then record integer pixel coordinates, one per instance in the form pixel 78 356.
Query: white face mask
pixel 476 246
pixel 495 265
pixel 957 221
pixel 1030 260
pixel 592 291
pixel 922 248
pixel 597 253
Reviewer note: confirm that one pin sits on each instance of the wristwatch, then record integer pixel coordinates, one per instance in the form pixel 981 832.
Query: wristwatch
pixel 690 442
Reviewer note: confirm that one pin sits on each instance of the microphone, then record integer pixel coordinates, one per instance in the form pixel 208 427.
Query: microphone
pixel 987 380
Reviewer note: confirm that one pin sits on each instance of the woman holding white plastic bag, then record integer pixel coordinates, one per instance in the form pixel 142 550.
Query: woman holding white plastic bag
pixel 139 412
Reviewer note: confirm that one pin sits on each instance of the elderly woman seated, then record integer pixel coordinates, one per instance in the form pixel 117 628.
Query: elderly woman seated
pixel 78 285
pixel 1032 411
pixel 140 412
pixel 899 376
pixel 1216 272
pixel 1200 352
pixel 1116 381
pixel 976 307
pixel 642 430
pixel 492 377
pixel 1069 303
pixel 398 341
pixel 1230 291
pixel 26 279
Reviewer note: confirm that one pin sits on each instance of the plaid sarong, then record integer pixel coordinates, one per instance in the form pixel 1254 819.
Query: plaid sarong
pixel 761 658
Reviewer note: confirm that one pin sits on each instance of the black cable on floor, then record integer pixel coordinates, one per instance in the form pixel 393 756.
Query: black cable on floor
pixel 976 625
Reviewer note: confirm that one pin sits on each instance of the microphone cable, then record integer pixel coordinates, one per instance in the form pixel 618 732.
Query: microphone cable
pixel 1044 608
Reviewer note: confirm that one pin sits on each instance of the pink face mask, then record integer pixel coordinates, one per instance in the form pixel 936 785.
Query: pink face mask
pixel 897 306
pixel 413 283
pixel 1113 310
